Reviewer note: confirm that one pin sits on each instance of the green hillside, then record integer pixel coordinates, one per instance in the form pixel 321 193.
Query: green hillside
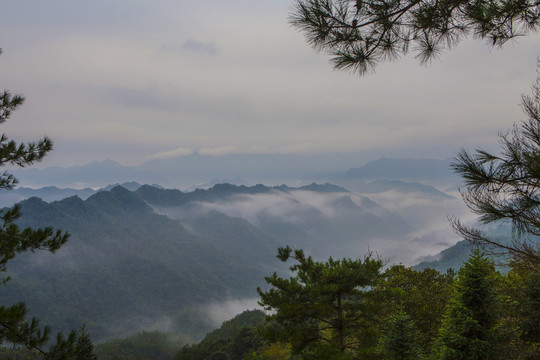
pixel 127 267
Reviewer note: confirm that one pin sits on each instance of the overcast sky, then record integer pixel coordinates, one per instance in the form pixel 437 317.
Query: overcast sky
pixel 130 80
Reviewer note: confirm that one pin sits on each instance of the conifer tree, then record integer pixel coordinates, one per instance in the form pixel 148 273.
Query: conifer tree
pixel 520 291
pixel 361 33
pixel 219 355
pixel 421 295
pixel 506 187
pixel 320 311
pixel 400 338
pixel 469 328
pixel 84 346
pixel 15 328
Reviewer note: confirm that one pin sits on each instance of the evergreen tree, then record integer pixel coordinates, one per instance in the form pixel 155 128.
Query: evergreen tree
pixel 320 311
pixel 506 187
pixel 531 309
pixel 14 326
pixel 469 328
pixel 400 338
pixel 422 295
pixel 361 33
pixel 219 355
pixel 84 346
pixel 520 293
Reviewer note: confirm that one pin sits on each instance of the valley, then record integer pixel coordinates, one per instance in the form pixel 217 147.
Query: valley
pixel 145 258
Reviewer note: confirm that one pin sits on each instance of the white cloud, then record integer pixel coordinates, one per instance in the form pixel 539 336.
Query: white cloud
pixel 223 311
pixel 171 153
pixel 218 151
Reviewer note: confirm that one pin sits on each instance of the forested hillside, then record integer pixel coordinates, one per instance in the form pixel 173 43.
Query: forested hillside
pixel 128 267
pixel 327 311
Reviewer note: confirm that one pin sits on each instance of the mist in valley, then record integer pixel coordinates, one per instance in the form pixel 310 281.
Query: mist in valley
pixel 183 262
pixel 415 224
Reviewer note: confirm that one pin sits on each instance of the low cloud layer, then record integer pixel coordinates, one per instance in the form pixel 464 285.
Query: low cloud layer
pixel 171 153
pixel 430 232
pixel 223 311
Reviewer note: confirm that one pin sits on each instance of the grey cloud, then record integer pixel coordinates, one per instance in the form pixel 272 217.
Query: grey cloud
pixel 174 99
pixel 199 47
pixel 138 98
pixel 253 93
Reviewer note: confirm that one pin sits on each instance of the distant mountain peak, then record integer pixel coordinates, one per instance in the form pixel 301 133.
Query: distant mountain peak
pixel 394 168
pixel 327 188
pixel 130 185
pixel 107 162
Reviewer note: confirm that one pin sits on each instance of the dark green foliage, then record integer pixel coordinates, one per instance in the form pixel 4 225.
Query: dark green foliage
pixel 400 338
pixel 531 309
pixel 18 354
pixel 359 33
pixel 219 355
pixel 401 314
pixel 505 187
pixel 422 295
pixel 319 310
pixel 233 340
pixel 469 328
pixel 520 292
pixel 247 319
pixel 133 266
pixel 84 345
pixel 150 345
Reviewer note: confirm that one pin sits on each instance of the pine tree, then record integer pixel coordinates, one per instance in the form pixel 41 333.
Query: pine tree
pixel 14 326
pixel 400 338
pixel 469 328
pixel 506 187
pixel 361 33
pixel 421 295
pixel 84 346
pixel 320 311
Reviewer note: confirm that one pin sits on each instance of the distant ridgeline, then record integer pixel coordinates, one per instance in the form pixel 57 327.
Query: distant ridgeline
pixel 152 259
pixel 455 256
pixel 53 193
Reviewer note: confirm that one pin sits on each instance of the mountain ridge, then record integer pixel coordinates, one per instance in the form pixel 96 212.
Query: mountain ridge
pixel 127 265
pixel 184 171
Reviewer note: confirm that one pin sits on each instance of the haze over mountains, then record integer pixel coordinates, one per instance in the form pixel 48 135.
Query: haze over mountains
pixel 184 172
pixel 147 257
pixel 422 191
pixel 129 265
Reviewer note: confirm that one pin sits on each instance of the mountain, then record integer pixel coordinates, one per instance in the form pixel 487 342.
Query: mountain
pixel 313 217
pixel 49 193
pixel 53 193
pixel 153 258
pixel 95 174
pixel 455 256
pixel 130 185
pixel 252 168
pixel 384 185
pixel 451 258
pixel 389 168
pixel 124 266
pixel 184 171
